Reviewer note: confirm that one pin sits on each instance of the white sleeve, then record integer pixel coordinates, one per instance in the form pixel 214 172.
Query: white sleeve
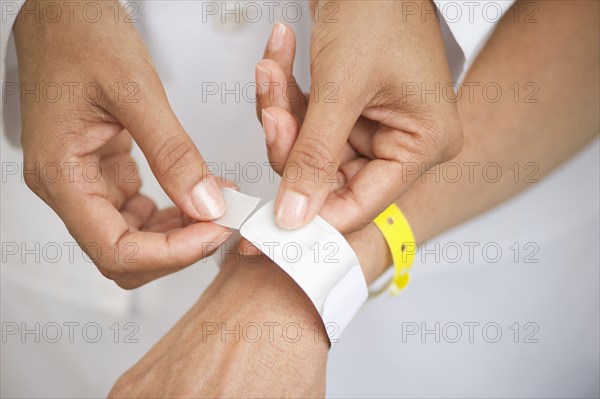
pixel 466 26
pixel 9 11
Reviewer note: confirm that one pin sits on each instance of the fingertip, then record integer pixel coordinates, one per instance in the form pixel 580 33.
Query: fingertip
pixel 195 242
pixel 207 199
pixel 212 233
pixel 221 238
pixel 291 210
pixel 277 37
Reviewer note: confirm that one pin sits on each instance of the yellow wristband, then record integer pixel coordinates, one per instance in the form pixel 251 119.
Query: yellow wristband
pixel 399 236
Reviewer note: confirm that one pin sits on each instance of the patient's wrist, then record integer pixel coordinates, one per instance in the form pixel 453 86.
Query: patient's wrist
pixel 258 294
pixel 252 333
pixel 372 251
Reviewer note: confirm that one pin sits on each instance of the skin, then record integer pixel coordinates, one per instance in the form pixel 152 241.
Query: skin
pixel 560 53
pixel 192 361
pixel 401 131
pixel 132 242
pixel 129 239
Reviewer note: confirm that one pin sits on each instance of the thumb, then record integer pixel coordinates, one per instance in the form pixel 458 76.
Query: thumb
pixel 172 155
pixel 312 165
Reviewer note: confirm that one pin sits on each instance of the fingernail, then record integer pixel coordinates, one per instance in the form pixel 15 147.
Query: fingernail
pixel 212 246
pixel 277 37
pixel 222 238
pixel 263 77
pixel 208 200
pixel 292 210
pixel 269 126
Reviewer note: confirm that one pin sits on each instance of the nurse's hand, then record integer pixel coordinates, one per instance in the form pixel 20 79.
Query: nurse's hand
pixel 370 64
pixel 87 85
pixel 253 333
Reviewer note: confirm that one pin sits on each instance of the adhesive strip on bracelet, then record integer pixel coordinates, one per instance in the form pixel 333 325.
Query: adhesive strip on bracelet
pixel 319 259
pixel 239 207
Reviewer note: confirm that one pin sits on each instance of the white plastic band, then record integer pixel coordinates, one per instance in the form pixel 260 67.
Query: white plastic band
pixel 316 256
pixel 239 207
pixel 319 259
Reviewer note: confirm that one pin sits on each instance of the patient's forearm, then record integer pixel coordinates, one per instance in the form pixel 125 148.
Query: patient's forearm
pixel 559 56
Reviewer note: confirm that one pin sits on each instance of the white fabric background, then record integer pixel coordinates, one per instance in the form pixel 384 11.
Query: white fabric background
pixel 559 294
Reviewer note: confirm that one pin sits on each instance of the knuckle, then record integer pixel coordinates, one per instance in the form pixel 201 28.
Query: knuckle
pixel 33 180
pixel 314 155
pixel 278 167
pixel 122 387
pixel 109 271
pixel 175 155
pixel 435 144
pixel 445 143
pixel 118 275
pixel 358 222
pixel 126 283
pixel 456 142
pixel 358 217
pixel 446 139
pixel 31 172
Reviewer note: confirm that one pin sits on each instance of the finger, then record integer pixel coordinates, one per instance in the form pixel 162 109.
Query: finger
pixel 271 87
pixel 281 131
pixel 166 226
pixel 314 159
pixel 361 136
pixel 281 49
pixel 348 154
pixel 351 168
pixel 137 210
pixel 374 187
pixel 346 172
pixel 121 175
pixel 141 206
pixel 172 155
pixel 179 248
pixel 118 250
pixel 347 168
pixel 120 144
pixel 161 216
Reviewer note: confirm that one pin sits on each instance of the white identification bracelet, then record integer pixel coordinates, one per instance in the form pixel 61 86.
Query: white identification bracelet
pixel 316 256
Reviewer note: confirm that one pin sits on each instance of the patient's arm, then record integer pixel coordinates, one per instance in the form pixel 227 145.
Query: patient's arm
pixel 554 64
pixel 252 333
pixel 559 54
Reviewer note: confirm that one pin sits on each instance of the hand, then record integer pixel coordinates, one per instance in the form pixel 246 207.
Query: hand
pixel 374 125
pixel 253 333
pixel 99 86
